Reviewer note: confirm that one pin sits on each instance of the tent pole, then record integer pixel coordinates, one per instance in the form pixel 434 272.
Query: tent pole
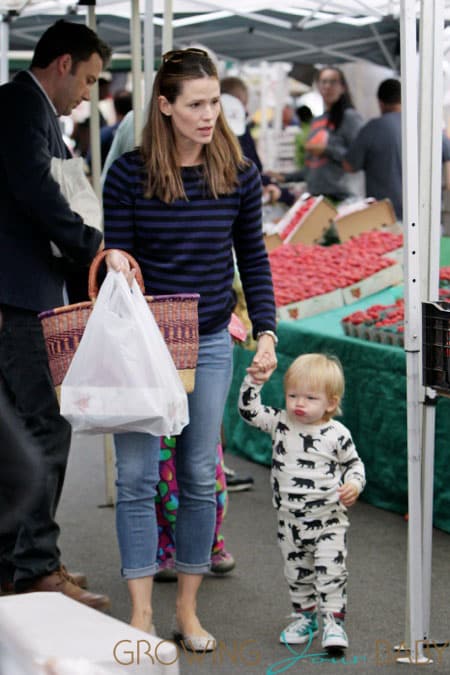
pixel 136 70
pixel 149 51
pixel 167 36
pixel 94 130
pixel 4 48
pixel 432 24
pixel 412 326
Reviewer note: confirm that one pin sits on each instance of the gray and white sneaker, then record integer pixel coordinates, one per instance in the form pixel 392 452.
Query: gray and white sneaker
pixel 334 635
pixel 303 628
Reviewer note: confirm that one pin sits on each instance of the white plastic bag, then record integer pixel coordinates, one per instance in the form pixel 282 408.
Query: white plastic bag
pixel 76 188
pixel 122 376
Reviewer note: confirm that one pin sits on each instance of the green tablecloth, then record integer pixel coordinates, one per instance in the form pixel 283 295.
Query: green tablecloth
pixel 374 406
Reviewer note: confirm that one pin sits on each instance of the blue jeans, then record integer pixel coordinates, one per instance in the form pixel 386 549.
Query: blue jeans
pixel 137 457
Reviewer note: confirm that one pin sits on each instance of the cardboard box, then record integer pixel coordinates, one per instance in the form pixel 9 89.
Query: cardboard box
pixel 372 216
pixel 272 241
pixel 311 306
pixel 389 276
pixel 396 254
pixel 314 223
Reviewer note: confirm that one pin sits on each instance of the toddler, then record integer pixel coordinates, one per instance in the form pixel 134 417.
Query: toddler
pixel 316 474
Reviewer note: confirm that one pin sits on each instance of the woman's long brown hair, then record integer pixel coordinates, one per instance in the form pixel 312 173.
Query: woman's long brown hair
pixel 222 157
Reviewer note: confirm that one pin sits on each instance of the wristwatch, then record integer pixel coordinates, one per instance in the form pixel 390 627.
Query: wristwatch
pixel 268 332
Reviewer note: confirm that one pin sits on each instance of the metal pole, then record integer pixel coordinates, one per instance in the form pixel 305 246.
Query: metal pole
pixel 167 37
pixel 412 326
pixel 136 70
pixel 149 51
pixel 431 33
pixel 4 48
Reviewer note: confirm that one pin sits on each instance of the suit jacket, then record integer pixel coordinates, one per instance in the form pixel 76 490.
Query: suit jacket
pixel 33 211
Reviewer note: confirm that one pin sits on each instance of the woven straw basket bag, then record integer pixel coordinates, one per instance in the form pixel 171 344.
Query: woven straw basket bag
pixel 176 316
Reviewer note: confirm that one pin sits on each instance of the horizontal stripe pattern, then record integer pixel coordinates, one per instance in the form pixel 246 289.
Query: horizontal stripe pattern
pixel 187 246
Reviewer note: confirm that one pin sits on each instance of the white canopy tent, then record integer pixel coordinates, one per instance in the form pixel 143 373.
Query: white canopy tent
pixel 422 85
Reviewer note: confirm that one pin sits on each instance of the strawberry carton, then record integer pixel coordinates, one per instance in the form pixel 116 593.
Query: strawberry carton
pixel 306 221
pixel 363 216
pixel 310 306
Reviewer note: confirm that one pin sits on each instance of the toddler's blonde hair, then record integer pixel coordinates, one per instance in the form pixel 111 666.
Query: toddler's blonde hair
pixel 320 372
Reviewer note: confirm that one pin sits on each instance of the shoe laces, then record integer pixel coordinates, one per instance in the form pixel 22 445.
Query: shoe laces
pixel 300 621
pixel 332 623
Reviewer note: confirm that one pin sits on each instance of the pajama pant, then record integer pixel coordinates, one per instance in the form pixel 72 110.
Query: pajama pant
pixel 314 554
pixel 166 501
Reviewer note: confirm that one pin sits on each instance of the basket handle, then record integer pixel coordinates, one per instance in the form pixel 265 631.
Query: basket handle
pixel 95 264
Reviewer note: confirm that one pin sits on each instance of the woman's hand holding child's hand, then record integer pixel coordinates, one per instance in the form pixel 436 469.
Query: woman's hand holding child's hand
pixel 264 362
pixel 348 494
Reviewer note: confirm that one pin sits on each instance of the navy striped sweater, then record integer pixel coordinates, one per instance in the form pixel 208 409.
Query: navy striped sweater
pixel 186 246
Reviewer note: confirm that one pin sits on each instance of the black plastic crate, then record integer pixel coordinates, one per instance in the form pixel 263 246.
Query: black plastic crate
pixel 436 345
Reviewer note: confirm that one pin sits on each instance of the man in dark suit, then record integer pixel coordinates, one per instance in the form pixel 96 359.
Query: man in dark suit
pixel 33 213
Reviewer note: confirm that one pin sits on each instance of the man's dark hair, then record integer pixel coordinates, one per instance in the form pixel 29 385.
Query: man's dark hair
pixel 304 113
pixel 65 37
pixel 123 102
pixel 390 91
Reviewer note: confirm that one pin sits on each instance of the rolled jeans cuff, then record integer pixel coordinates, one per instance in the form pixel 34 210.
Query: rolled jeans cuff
pixel 140 572
pixel 188 568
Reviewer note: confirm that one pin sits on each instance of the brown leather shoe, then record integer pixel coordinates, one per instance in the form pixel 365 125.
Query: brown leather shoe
pixel 6 588
pixel 57 582
pixel 77 578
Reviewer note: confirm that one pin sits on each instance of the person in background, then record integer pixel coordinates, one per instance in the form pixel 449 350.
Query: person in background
pixel 289 116
pixel 330 137
pixel 316 475
pixel 189 168
pixel 123 141
pixel 167 500
pixel 234 92
pixel 377 149
pixel 122 105
pixel 66 63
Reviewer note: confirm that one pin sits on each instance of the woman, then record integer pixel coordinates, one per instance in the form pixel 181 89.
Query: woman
pixel 330 136
pixel 179 204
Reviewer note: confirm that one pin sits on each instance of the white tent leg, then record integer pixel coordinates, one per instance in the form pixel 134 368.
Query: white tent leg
pixel 412 325
pixel 431 33
pixel 4 47
pixel 428 433
pixel 167 37
pixel 149 51
pixel 136 69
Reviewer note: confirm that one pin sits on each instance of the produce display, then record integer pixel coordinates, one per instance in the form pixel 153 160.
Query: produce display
pixel 304 271
pixel 386 323
pixel 294 216
pixel 379 323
